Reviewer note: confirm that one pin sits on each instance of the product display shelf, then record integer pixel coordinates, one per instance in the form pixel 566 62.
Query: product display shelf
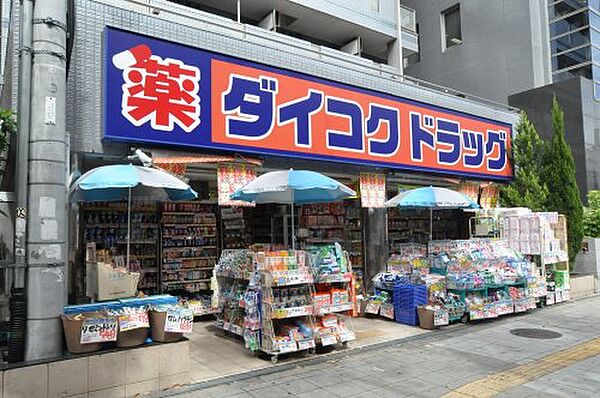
pixel 546 246
pixel 106 225
pixel 188 246
pixel 408 226
pixel 354 241
pixel 233 228
pixel 232 273
pixel 287 309
pixel 322 223
pixel 333 298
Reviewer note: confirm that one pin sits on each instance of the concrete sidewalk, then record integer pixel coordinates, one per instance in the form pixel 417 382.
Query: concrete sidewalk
pixel 438 363
pixel 215 354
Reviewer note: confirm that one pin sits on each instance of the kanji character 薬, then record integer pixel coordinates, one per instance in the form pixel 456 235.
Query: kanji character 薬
pixel 301 111
pixel 378 115
pixel 448 133
pixel 353 140
pixel 496 138
pixel 474 149
pixel 249 106
pixel 161 91
pixel 420 134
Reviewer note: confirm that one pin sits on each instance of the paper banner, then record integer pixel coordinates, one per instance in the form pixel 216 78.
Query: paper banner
pixel 471 190
pixel 231 177
pixel 489 196
pixel 372 190
pixel 174 168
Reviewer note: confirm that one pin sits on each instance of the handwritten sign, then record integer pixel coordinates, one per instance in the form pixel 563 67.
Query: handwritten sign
pixel 135 320
pixel 387 310
pixel 99 330
pixel 372 307
pixel 179 321
pixel 328 339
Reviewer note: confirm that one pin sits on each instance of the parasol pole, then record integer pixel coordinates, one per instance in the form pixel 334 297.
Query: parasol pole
pixel 430 224
pixel 128 225
pixel 293 229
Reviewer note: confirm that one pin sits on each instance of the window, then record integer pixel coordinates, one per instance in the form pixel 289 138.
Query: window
pixel 451 27
pixel 375 5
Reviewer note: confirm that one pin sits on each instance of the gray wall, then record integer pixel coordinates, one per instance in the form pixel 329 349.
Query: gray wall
pixel 505 46
pixel 582 123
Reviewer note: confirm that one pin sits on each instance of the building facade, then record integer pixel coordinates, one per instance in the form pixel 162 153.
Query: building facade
pixel 575 40
pixel 313 84
pixel 491 49
pixel 582 123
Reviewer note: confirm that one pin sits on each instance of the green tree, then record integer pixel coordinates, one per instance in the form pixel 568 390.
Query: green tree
pixel 8 126
pixel 559 176
pixel 527 189
pixel 591 215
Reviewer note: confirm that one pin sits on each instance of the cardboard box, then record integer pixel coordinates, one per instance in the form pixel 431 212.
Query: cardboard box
pixel 107 283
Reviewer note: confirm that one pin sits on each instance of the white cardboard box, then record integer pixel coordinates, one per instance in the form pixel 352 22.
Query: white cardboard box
pixel 103 282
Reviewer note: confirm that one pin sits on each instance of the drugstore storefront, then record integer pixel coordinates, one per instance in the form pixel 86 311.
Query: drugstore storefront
pixel 219 120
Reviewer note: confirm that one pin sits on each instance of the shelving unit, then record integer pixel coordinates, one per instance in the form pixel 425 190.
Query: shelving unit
pixel 233 276
pixel 188 245
pixel 105 223
pixel 333 298
pixel 408 226
pixel 233 228
pixel 286 303
pixel 322 223
pixel 354 240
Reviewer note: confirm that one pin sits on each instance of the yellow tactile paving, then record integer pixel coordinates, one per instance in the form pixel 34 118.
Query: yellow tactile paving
pixel 494 384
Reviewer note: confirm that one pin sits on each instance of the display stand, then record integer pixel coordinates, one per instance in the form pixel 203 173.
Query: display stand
pixel 233 275
pixel 105 223
pixel 233 231
pixel 333 297
pixel 354 240
pixel 188 246
pixel 286 303
pixel 270 299
pixel 543 237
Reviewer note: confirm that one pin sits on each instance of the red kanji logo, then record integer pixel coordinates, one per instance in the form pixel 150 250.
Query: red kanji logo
pixel 163 92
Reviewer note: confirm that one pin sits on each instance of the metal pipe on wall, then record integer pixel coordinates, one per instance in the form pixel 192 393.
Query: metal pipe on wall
pixel 18 299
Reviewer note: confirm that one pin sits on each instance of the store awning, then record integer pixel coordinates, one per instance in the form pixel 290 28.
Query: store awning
pixel 163 157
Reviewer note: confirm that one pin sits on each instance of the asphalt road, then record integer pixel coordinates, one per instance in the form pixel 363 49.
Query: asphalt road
pixel 483 359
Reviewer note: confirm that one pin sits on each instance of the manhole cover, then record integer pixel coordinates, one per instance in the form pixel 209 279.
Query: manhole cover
pixel 536 333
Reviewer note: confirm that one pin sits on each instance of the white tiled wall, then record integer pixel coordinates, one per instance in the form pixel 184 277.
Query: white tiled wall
pixel 128 373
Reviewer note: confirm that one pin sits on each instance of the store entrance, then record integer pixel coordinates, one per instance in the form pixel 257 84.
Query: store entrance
pixel 270 224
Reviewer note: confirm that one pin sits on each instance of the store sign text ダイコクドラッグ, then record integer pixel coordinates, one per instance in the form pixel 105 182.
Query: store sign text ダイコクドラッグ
pixel 161 92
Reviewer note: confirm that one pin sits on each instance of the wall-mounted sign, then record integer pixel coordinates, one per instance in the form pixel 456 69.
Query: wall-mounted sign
pixel 161 92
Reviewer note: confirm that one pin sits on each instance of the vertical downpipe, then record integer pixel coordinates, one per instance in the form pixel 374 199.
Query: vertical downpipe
pixel 18 303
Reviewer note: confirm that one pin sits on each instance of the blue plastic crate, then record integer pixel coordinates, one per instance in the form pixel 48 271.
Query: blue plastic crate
pixel 410 296
pixel 406 317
